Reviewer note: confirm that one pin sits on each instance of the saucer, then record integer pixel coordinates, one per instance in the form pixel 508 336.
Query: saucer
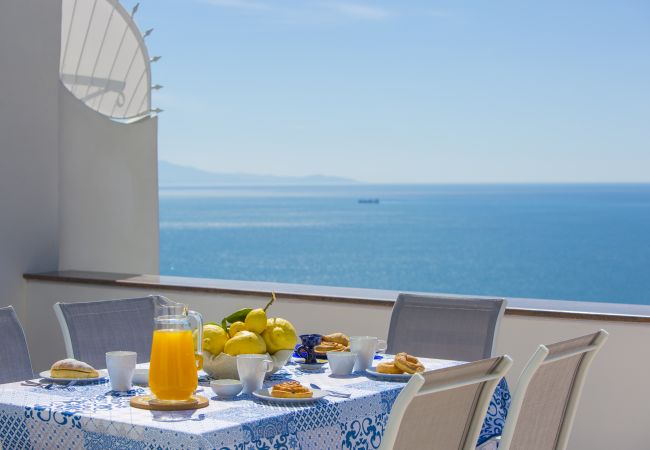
pixel 150 403
pixel 312 366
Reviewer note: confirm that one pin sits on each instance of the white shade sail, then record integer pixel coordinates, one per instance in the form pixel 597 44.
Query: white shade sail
pixel 104 60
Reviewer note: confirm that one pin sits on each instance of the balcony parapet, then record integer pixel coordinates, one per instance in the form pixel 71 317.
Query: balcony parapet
pixel 557 309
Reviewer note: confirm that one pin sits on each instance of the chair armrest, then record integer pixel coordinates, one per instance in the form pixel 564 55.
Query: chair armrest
pixel 490 444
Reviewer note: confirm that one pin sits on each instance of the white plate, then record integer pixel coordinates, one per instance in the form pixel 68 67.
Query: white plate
pixel 265 394
pixel 311 367
pixel 48 376
pixel 372 371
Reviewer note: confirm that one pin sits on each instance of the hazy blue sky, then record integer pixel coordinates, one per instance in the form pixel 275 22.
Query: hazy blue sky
pixel 405 91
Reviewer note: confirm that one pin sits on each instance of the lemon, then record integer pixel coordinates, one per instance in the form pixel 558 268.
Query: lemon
pixel 214 338
pixel 236 328
pixel 256 321
pixel 279 335
pixel 245 342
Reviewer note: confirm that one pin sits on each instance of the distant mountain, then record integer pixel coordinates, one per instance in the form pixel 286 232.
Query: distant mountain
pixel 170 174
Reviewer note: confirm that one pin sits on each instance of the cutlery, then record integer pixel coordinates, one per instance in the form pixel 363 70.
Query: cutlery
pixel 37 384
pixel 333 393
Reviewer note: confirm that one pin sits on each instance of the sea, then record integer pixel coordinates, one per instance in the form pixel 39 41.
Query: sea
pixel 567 242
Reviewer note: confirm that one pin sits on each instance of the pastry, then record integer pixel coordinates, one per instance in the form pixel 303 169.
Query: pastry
pixel 325 347
pixel 338 338
pixel 71 368
pixel 291 389
pixel 388 367
pixel 408 363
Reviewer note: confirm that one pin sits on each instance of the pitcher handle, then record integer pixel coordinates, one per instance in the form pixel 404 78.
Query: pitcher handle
pixel 198 355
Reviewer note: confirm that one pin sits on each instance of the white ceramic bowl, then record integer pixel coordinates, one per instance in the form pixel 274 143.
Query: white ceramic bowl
pixel 341 363
pixel 224 366
pixel 141 377
pixel 226 388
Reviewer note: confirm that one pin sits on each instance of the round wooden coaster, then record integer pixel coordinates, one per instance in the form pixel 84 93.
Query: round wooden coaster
pixel 150 403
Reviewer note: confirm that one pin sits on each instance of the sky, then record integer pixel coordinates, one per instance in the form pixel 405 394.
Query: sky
pixel 405 91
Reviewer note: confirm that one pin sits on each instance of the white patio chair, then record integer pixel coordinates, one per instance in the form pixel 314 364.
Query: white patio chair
pixel 444 409
pixel 546 398
pixel 90 329
pixel 15 363
pixel 461 329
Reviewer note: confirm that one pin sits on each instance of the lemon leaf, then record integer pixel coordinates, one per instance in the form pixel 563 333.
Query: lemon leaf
pixel 238 316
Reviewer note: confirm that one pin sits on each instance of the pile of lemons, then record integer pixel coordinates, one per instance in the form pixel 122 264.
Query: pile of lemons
pixel 249 331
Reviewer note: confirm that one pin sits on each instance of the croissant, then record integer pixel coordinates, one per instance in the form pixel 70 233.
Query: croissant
pixel 325 347
pixel 339 338
pixel 408 363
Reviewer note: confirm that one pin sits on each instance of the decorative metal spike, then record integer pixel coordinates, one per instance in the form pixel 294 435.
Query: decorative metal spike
pixel 135 9
pixel 157 86
pixel 147 33
pixel 155 58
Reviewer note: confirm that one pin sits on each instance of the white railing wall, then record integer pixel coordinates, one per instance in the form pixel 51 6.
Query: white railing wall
pixel 108 190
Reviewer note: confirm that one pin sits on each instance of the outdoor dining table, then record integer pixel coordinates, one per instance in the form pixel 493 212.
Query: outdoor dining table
pixel 92 417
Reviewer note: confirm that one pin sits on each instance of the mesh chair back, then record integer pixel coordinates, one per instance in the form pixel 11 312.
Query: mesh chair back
pixel 98 327
pixel 448 410
pixel 462 329
pixel 548 402
pixel 15 363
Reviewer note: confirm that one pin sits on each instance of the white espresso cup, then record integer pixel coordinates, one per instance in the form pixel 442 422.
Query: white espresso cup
pixel 121 366
pixel 341 363
pixel 252 369
pixel 365 348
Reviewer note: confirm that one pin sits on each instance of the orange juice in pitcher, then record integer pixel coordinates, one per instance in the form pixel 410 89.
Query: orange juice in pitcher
pixel 174 363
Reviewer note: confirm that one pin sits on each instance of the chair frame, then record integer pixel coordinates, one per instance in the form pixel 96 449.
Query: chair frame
pixel 414 388
pixel 497 324
pixel 22 329
pixel 64 330
pixel 539 358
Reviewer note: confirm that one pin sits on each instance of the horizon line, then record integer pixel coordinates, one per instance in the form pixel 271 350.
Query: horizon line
pixel 353 181
pixel 424 183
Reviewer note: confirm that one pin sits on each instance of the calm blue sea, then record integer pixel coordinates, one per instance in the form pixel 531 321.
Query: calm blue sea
pixel 570 242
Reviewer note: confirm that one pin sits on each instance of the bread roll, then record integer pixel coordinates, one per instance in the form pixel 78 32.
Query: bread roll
pixel 71 368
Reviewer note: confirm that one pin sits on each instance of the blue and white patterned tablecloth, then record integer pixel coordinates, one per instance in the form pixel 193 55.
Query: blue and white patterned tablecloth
pixel 89 417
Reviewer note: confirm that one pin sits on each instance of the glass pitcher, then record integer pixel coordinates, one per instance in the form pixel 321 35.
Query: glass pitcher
pixel 174 362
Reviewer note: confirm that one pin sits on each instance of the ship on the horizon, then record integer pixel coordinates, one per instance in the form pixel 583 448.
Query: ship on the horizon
pixel 368 200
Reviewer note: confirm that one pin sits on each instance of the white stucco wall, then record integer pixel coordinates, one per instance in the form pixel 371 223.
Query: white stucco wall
pixel 613 412
pixel 76 189
pixel 108 189
pixel 29 78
